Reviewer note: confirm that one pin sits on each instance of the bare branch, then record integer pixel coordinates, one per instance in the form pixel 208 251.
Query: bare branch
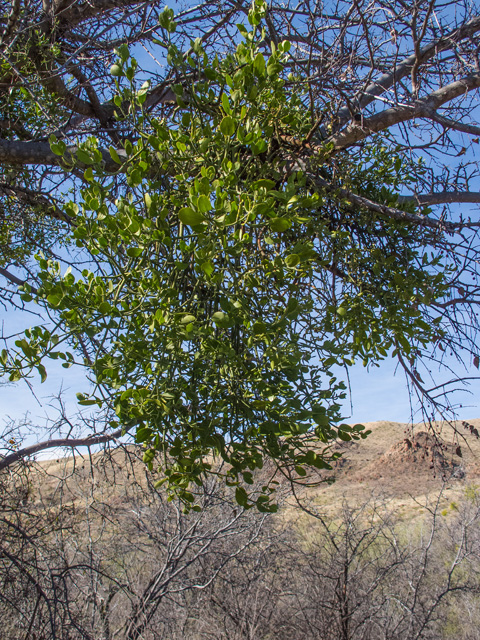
pixel 390 117
pixel 404 68
pixel 70 443
pixel 449 197
pixel 14 280
pixel 392 212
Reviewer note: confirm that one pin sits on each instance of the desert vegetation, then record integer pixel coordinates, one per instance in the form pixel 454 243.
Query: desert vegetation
pixel 90 549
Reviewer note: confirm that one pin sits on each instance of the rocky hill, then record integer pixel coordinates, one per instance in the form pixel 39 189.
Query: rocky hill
pixel 405 464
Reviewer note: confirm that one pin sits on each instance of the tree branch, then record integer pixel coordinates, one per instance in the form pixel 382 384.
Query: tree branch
pixel 71 443
pixel 393 212
pixel 404 68
pixel 14 280
pixel 18 152
pixel 453 124
pixel 35 199
pixel 422 108
pixel 448 197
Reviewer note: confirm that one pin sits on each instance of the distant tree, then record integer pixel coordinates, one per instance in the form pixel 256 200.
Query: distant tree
pixel 248 198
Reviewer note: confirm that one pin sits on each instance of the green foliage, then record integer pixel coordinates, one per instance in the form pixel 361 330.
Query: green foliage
pixel 226 291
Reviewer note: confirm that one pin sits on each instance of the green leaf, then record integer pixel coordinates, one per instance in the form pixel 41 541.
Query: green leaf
pixel 58 147
pixel 241 496
pixel 242 29
pixel 280 224
pixel 42 371
pixel 54 300
pixel 226 105
pixel 207 267
pixel 87 402
pixel 259 64
pixel 114 155
pixel 134 252
pixel 227 126
pixel 219 317
pixel 204 204
pixel 259 146
pixel 265 184
pixel 148 201
pixel 292 260
pixel 104 308
pixel 190 216
pixel 123 52
pixel 84 157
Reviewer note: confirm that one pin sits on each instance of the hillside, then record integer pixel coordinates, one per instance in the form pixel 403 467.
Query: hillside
pixel 404 464
pixel 94 551
pixel 401 463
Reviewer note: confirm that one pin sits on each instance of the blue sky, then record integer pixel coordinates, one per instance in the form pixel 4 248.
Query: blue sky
pixel 378 394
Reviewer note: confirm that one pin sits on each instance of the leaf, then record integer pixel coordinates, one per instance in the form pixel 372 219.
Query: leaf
pixel 187 319
pixel 264 183
pixel 207 267
pixel 226 104
pixel 104 307
pixel 42 371
pixel 86 402
pixel 292 260
pixel 114 155
pixel 134 252
pixel 58 147
pixel 259 146
pixel 241 496
pixel 54 299
pixel 280 224
pixel 204 204
pixel 242 29
pixel 476 362
pixel 227 126
pixel 148 201
pixel 123 52
pixel 218 316
pixel 84 157
pixel 191 217
pixel 259 64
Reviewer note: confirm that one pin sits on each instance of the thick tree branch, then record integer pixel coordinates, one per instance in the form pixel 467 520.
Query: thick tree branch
pixel 448 197
pixel 404 68
pixel 35 199
pixel 422 108
pixel 71 13
pixel 393 212
pixel 11 22
pixel 454 124
pixel 71 443
pixel 15 280
pixel 17 152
